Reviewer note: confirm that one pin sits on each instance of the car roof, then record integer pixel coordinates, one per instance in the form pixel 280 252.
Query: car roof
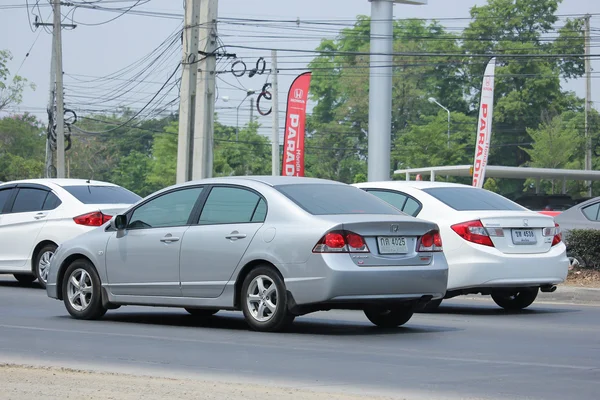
pixel 61 182
pixel 410 184
pixel 270 180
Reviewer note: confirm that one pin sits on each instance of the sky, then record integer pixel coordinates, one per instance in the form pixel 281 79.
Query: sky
pixel 94 51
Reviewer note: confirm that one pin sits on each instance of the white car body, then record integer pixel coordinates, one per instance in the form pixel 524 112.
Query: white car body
pixel 26 228
pixel 478 268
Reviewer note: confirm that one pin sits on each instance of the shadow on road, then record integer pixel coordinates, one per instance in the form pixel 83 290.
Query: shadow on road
pixel 494 310
pixel 6 281
pixel 302 325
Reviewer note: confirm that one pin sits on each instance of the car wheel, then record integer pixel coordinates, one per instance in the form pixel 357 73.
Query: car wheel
pixel 201 312
pixel 389 318
pixel 264 300
pixel 41 263
pixel 81 291
pixel 516 300
pixel 24 279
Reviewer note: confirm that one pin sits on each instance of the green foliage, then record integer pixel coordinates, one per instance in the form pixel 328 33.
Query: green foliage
pixel 585 245
pixel 491 185
pixel 11 90
pixel 22 147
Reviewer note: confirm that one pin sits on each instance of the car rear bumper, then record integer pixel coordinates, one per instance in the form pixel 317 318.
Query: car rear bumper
pixel 334 278
pixel 471 267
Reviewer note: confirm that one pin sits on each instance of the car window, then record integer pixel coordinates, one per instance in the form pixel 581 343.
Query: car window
pixel 89 194
pixel 335 199
pixel 4 195
pixel 52 201
pixel 170 209
pixel 472 199
pixel 394 198
pixel 29 200
pixel 591 212
pixel 261 212
pixel 412 207
pixel 228 205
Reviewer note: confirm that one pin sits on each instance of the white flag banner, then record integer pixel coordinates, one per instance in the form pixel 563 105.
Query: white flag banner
pixel 484 125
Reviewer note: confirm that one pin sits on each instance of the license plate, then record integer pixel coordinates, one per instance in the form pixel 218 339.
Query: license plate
pixel 523 236
pixel 392 245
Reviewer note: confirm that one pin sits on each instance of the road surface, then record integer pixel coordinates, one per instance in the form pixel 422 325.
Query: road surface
pixel 467 349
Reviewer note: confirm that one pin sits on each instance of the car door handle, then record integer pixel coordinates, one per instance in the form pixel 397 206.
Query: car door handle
pixel 169 239
pixel 40 215
pixel 235 236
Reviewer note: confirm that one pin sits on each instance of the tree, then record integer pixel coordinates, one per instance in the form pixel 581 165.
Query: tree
pixel 22 143
pixel 11 90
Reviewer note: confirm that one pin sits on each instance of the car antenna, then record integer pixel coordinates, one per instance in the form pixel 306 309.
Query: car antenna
pixel 88 181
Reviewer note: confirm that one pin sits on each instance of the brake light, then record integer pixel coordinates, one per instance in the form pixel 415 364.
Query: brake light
pixel 95 218
pixel 341 242
pixel 431 241
pixel 555 232
pixel 474 232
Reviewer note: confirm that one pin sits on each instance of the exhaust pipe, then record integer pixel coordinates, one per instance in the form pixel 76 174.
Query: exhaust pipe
pixel 548 288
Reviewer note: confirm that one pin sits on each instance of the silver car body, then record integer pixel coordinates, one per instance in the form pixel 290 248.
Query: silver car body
pixel 202 265
pixel 581 216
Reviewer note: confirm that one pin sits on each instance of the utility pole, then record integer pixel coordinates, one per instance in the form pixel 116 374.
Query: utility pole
pixel 251 109
pixel 49 150
pixel 275 111
pixel 187 102
pixel 60 108
pixel 588 102
pixel 205 99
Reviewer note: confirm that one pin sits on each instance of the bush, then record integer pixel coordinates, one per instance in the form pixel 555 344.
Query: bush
pixel 585 245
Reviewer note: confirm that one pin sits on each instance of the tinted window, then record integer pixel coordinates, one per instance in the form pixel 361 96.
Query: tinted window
pixel 226 205
pixel 261 212
pixel 468 199
pixel 51 202
pixel 332 199
pixel 102 194
pixel 591 212
pixel 412 207
pixel 29 200
pixel 171 209
pixel 4 195
pixel 393 198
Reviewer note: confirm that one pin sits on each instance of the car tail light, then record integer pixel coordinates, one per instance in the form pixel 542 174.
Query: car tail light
pixel 95 218
pixel 474 232
pixel 341 242
pixel 431 241
pixel 555 232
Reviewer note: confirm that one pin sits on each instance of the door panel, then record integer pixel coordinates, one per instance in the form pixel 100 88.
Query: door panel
pixel 212 250
pixel 143 260
pixel 20 228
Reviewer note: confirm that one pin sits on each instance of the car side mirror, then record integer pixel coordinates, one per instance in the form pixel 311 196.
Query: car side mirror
pixel 119 222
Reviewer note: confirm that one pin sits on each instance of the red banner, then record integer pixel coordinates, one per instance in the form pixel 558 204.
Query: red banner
pixel 295 119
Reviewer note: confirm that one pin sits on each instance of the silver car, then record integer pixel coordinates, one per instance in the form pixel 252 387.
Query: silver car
pixel 274 247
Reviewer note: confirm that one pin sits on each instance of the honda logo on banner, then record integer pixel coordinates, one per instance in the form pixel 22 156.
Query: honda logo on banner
pixel 484 125
pixel 295 119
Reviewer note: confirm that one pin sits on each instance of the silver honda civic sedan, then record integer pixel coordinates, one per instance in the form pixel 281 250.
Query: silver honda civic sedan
pixel 273 247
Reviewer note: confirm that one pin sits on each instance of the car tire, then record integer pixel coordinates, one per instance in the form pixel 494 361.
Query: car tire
pixel 41 263
pixel 264 300
pixel 518 300
pixel 82 295
pixel 201 312
pixel 389 318
pixel 24 279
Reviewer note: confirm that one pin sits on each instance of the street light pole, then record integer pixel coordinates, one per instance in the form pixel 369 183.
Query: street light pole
pixel 237 123
pixel 432 100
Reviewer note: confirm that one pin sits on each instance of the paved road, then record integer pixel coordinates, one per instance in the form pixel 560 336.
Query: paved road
pixel 469 349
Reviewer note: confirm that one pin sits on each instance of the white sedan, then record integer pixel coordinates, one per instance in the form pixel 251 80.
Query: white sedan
pixel 37 215
pixel 493 245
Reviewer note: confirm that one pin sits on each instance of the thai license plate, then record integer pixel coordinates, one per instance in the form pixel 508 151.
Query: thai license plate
pixel 392 245
pixel 523 236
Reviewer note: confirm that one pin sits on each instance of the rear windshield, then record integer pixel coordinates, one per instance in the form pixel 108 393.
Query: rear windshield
pixel 324 199
pixel 102 194
pixel 472 199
